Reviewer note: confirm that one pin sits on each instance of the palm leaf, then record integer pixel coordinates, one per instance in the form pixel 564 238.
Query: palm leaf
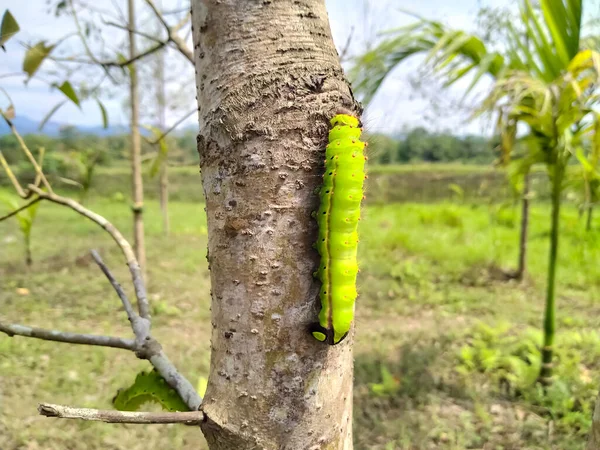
pixel 443 47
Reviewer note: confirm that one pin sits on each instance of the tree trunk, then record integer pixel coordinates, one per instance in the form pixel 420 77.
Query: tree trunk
pixel 162 125
pixel 164 196
pixel 521 269
pixel 136 150
pixel 549 313
pixel 268 79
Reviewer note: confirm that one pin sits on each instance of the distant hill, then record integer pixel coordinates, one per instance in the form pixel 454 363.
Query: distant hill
pixel 25 125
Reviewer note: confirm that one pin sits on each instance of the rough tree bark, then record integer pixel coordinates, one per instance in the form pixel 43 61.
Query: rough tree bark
pixel 268 80
pixel 136 149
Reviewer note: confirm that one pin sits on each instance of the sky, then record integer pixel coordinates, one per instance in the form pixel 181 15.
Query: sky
pixel 397 106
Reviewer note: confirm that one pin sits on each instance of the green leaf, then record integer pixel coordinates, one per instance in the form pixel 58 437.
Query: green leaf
pixel 35 56
pixel 25 217
pixel 583 160
pixel 149 387
pixel 50 114
pixel 67 89
pixel 163 150
pixel 9 27
pixel 104 114
pixel 32 211
pixel 10 202
pixel 564 23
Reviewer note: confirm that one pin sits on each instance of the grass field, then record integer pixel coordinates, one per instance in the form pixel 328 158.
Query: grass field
pixel 445 351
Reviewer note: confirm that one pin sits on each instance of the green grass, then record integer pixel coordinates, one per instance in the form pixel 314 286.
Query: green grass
pixel 442 338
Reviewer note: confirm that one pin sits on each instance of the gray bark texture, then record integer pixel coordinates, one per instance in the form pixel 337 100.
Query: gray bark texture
pixel 268 81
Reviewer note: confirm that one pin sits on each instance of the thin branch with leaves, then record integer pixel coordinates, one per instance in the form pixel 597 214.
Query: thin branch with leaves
pixel 144 345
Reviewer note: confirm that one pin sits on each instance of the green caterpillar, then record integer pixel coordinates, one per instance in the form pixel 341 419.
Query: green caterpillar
pixel 338 216
pixel 149 387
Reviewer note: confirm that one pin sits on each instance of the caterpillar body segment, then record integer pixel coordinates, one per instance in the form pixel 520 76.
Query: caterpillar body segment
pixel 338 216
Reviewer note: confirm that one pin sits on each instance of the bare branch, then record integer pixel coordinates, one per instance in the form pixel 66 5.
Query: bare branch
pixel 88 51
pixel 63 336
pixel 181 23
pixel 184 388
pixel 173 36
pixel 115 284
pixel 18 210
pixel 108 64
pixel 175 125
pixel 176 11
pixel 134 267
pixel 38 178
pixel 158 14
pixel 68 412
pixel 347 45
pixel 139 33
pixel 144 345
pixel 182 47
pixel 38 169
pixel 142 55
pixel 11 176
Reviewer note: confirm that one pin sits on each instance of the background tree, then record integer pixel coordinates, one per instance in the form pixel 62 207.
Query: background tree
pixel 451 56
pixel 137 186
pixel 542 82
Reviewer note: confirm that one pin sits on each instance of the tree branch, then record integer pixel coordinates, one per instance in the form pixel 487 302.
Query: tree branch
pixel 126 249
pixel 38 169
pixel 149 348
pixel 184 388
pixel 68 412
pixel 139 33
pixel 347 45
pixel 175 125
pixel 18 210
pixel 173 36
pixel 84 41
pixel 63 336
pixel 145 53
pixel 11 176
pixel 144 345
pixel 115 284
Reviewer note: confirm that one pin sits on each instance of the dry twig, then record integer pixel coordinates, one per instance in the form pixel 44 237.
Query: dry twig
pixel 68 412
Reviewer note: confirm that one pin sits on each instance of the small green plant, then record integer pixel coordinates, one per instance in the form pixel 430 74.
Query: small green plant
pixel 389 386
pixel 26 219
pixel 503 215
pixel 511 359
pixel 84 163
pixel 458 192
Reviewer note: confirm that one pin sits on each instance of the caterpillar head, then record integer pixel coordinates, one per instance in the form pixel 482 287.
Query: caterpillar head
pixel 341 111
pixel 345 120
pixel 324 334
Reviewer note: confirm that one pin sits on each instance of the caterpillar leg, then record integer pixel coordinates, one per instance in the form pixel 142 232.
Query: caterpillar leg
pixel 325 335
pixel 320 333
